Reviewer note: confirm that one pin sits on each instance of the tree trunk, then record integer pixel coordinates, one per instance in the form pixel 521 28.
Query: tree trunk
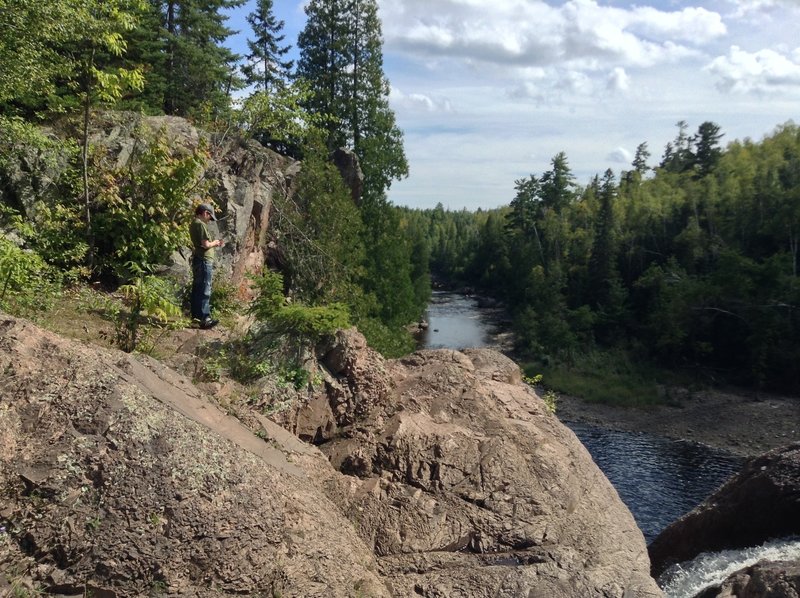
pixel 87 204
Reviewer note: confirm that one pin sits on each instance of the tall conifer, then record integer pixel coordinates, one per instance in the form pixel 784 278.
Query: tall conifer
pixel 341 57
pixel 198 72
pixel 266 65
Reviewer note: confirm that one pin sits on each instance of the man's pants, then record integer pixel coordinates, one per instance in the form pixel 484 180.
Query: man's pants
pixel 201 288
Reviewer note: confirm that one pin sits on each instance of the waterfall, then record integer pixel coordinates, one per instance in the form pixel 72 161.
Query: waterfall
pixel 686 580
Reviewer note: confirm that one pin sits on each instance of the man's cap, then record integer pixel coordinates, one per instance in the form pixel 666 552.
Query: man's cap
pixel 204 207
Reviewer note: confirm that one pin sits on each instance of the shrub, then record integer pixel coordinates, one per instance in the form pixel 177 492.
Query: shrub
pixel 148 296
pixel 27 284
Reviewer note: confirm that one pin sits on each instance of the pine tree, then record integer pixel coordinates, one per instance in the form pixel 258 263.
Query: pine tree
pixel 601 263
pixel 706 148
pixel 342 61
pixel 198 71
pixel 341 56
pixel 265 65
pixel 323 63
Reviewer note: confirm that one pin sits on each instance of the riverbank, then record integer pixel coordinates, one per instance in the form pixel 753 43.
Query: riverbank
pixel 735 421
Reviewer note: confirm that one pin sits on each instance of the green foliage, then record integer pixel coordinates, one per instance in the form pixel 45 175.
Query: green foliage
pixel 141 208
pixel 277 118
pixel 694 263
pixel 390 342
pixel 147 296
pixel 21 140
pixel 311 322
pixel 318 229
pixel 549 397
pixel 353 92
pixel 27 284
pixel 613 378
pixel 224 297
pixel 308 323
pixel 265 67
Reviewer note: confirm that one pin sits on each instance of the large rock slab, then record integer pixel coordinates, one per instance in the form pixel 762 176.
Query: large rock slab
pixel 759 503
pixel 468 486
pixel 451 478
pixel 118 478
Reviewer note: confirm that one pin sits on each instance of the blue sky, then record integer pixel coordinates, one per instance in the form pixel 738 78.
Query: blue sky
pixel 487 93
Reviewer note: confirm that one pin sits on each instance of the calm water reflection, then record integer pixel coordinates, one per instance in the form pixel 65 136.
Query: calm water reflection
pixel 454 322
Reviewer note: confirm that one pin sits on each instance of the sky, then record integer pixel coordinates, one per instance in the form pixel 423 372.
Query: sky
pixel 486 93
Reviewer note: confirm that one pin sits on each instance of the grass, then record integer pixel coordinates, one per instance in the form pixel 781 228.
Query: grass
pixel 612 378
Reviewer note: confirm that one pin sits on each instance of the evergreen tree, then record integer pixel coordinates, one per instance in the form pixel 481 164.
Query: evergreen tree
pixel 266 66
pixel 341 56
pixel 706 152
pixel 198 71
pixel 324 59
pixel 602 270
pixel 678 153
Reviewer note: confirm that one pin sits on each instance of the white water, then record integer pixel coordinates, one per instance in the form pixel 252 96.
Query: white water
pixel 686 580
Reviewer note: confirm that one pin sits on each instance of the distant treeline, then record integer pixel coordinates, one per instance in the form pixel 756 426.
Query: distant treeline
pixel 689 263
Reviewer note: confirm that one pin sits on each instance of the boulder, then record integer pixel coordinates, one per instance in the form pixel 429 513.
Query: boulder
pixel 759 503
pixel 468 486
pixel 349 167
pixel 765 579
pixel 439 475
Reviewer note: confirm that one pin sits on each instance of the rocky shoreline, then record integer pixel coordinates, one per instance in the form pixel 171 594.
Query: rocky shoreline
pixel 736 421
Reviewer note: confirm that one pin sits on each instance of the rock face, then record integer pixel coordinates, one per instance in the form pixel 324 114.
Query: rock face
pixel 118 479
pixel 759 503
pixel 468 486
pixel 440 475
pixel 242 177
pixel 765 579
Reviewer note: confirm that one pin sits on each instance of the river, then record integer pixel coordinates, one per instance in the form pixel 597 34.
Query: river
pixel 659 479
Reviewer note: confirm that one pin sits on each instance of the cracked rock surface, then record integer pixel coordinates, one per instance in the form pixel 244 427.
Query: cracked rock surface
pixel 437 475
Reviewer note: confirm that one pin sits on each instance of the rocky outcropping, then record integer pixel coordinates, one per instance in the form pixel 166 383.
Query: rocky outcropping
pixel 765 579
pixel 445 477
pixel 468 486
pixel 119 479
pixel 759 503
pixel 241 176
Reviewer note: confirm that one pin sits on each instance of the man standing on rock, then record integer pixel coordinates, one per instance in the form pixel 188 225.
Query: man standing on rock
pixel 203 265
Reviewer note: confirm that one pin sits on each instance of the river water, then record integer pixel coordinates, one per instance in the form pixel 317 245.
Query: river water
pixel 657 478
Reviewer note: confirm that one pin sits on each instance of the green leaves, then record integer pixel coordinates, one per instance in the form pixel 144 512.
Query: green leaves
pixel 26 282
pixel 294 319
pixel 142 208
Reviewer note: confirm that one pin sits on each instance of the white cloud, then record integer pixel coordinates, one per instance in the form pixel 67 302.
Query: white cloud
pixel 756 72
pixel 618 80
pixel 551 85
pixel 619 156
pixel 695 25
pixel 748 8
pixel 531 32
pixel 418 102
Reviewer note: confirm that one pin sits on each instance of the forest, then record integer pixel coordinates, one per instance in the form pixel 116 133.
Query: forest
pixel 688 262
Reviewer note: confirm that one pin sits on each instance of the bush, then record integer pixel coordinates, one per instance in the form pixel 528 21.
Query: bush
pixel 27 284
pixel 308 323
pixel 148 296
